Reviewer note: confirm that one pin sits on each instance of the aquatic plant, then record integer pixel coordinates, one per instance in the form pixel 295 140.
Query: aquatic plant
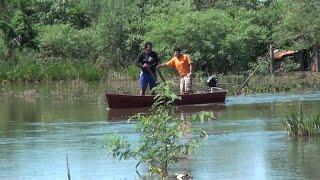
pixel 298 125
pixel 71 90
pixel 163 135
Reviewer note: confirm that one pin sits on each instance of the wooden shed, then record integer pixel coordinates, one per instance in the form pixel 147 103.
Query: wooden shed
pixel 288 56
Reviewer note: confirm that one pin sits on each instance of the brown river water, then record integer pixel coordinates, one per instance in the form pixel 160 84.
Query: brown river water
pixel 246 141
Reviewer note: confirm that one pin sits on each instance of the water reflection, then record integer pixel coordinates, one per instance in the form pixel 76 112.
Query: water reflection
pixel 124 114
pixel 18 109
pixel 297 157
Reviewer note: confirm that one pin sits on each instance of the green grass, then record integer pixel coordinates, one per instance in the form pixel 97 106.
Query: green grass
pixel 31 68
pixel 299 125
pixel 31 71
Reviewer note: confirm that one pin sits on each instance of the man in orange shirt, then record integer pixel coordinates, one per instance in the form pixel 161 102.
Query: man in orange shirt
pixel 183 64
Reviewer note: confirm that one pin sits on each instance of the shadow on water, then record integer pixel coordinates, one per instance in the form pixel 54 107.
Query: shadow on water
pixel 125 114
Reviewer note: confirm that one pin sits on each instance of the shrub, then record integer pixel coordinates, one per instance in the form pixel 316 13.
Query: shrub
pixel 162 135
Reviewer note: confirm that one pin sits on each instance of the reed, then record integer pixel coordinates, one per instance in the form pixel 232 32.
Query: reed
pixel 299 125
pixel 68 168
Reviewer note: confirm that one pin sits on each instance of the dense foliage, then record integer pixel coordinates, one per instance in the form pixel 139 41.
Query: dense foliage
pixel 222 35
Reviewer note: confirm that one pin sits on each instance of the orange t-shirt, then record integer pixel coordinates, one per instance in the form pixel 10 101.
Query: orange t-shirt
pixel 181 64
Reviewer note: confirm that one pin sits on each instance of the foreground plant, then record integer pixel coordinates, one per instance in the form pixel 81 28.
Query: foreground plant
pixel 162 141
pixel 298 125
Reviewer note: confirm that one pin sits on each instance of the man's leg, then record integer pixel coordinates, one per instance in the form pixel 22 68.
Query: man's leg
pixel 152 84
pixel 182 87
pixel 188 84
pixel 143 83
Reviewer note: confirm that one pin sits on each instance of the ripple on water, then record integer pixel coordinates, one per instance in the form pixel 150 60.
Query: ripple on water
pixel 268 97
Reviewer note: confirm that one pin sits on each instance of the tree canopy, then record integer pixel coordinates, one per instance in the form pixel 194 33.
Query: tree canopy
pixel 221 35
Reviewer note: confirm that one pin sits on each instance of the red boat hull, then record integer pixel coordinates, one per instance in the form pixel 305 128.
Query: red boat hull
pixel 137 101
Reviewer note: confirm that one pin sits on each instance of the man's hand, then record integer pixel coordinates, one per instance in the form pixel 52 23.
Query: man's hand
pixel 145 65
pixel 161 65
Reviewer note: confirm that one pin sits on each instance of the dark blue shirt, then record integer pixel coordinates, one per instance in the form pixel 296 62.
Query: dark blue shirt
pixel 151 59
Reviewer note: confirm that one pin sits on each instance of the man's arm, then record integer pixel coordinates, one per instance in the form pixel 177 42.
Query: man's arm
pixel 159 72
pixel 190 66
pixel 139 61
pixel 162 65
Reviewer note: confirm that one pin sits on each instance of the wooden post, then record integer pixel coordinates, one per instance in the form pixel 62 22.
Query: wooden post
pixel 317 60
pixel 272 63
pixel 247 80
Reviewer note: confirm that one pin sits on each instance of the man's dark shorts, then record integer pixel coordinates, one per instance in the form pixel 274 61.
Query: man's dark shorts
pixel 146 79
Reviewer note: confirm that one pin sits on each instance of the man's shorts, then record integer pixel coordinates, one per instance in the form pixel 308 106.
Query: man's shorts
pixel 185 84
pixel 145 80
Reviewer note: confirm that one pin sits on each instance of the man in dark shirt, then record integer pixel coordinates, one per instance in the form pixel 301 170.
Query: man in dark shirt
pixel 148 61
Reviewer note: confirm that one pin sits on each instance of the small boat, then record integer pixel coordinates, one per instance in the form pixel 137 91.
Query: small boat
pixel 138 101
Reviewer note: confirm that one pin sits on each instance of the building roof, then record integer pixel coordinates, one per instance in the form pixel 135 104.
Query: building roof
pixel 280 54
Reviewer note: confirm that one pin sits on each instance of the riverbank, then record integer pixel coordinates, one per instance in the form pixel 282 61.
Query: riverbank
pixel 120 83
pixel 284 82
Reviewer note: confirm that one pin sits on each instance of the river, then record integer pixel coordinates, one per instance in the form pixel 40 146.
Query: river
pixel 247 139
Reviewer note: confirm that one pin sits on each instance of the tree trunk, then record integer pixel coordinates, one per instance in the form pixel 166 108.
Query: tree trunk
pixel 272 63
pixel 317 60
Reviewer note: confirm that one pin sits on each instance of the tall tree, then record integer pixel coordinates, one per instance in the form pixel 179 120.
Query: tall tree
pixel 299 25
pixel 226 4
pixel 61 12
pixel 17 25
pixel 214 38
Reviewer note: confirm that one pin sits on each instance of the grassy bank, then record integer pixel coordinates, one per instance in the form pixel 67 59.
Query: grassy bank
pixel 33 71
pixel 285 82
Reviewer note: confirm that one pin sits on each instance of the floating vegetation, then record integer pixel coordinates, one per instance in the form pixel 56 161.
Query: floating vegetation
pixel 7 93
pixel 73 90
pixel 285 82
pixel 32 93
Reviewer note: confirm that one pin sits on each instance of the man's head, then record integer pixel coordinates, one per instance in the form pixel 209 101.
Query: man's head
pixel 148 47
pixel 177 51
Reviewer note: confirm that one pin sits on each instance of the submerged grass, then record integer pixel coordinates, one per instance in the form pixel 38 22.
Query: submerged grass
pixel 299 125
pixel 57 91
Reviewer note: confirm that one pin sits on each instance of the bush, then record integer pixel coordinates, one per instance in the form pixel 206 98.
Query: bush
pixel 64 41
pixel 133 72
pixel 162 140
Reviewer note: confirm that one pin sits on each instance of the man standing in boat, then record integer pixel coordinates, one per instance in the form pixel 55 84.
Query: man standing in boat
pixel 148 61
pixel 183 64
